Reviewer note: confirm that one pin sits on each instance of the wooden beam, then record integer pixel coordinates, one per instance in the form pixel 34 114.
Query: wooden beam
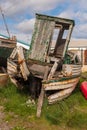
pixel 41 97
pixel 53 69
pixel 7 40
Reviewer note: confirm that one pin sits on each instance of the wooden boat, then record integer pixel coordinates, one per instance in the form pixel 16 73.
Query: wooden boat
pixel 6 47
pixel 58 69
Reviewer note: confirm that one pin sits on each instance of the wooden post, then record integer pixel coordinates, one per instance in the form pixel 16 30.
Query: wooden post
pixel 41 97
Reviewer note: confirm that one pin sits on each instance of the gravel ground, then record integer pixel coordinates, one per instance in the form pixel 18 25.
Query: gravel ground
pixel 3 124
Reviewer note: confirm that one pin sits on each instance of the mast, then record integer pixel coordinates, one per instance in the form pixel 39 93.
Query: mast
pixel 3 16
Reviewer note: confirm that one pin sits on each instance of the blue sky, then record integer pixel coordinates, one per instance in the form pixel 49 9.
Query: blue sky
pixel 20 15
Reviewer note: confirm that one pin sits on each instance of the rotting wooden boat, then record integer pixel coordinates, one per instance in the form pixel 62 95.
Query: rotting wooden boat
pixel 6 47
pixel 58 69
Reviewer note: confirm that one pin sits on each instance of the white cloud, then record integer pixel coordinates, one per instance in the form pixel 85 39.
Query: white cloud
pixel 67 14
pixel 23 25
pixel 81 16
pixel 13 7
pixel 26 25
pixel 80 31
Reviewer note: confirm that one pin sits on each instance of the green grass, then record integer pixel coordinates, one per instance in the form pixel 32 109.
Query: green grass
pixel 71 113
pixel 15 101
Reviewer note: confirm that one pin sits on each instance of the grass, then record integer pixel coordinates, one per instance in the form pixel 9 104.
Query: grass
pixel 15 100
pixel 71 113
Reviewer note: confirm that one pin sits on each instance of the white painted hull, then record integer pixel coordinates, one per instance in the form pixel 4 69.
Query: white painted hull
pixel 59 85
pixel 62 93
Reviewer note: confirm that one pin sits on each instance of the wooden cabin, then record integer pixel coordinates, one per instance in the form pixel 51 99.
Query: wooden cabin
pixel 41 43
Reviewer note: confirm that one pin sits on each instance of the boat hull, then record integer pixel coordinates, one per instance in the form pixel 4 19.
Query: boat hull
pixel 65 88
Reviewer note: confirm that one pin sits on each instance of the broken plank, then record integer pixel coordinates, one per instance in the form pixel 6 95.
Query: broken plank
pixel 53 70
pixel 23 66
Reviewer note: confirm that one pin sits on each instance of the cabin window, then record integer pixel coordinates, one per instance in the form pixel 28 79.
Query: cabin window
pixel 65 34
pixel 54 39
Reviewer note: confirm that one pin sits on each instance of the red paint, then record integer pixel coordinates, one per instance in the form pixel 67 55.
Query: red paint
pixel 84 88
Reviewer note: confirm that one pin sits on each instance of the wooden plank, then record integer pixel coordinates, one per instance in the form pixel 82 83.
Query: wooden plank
pixel 58 87
pixel 56 19
pixel 41 97
pixel 71 69
pixel 67 39
pixel 8 41
pixel 41 39
pixel 62 94
pixel 53 69
pixel 37 68
pixel 58 83
pixel 73 65
pixel 23 66
pixel 13 54
pixel 7 45
pixel 17 84
pixel 11 67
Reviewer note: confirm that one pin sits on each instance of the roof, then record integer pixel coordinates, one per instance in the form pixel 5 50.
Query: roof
pixel 19 42
pixel 59 20
pixel 80 43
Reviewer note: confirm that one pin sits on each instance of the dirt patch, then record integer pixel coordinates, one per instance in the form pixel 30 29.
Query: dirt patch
pixel 3 124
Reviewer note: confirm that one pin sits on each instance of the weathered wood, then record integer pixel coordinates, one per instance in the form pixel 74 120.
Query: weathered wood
pixel 21 60
pixel 8 41
pixel 53 70
pixel 62 94
pixel 11 68
pixel 41 39
pixel 15 81
pixel 59 85
pixel 13 54
pixel 7 45
pixel 71 69
pixel 38 70
pixel 67 39
pixel 58 42
pixel 63 21
pixel 41 97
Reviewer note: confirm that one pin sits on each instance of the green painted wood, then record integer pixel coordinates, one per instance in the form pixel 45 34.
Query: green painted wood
pixel 55 19
pixel 41 39
pixel 60 79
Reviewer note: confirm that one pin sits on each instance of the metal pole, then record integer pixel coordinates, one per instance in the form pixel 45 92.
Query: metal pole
pixel 4 21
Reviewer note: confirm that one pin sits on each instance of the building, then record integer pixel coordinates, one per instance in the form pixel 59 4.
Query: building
pixel 80 47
